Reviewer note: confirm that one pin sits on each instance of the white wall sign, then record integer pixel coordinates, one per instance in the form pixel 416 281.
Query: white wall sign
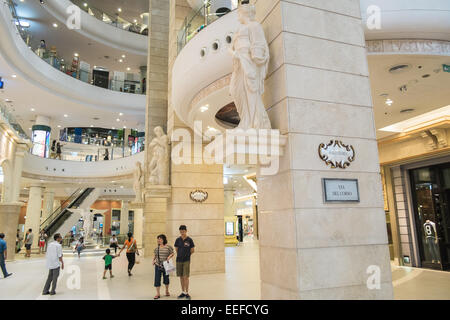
pixel 340 190
pixel 337 154
pixel 199 195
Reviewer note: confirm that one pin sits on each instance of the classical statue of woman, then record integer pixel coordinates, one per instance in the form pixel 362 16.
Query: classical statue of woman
pixel 250 63
pixel 159 163
pixel 138 176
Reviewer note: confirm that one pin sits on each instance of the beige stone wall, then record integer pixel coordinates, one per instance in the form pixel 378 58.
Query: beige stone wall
pixel 318 89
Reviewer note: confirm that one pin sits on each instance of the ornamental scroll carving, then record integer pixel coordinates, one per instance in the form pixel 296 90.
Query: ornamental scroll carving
pixel 199 196
pixel 336 154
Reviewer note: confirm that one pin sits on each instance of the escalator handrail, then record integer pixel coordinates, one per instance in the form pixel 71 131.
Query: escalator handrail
pixel 61 208
pixel 87 190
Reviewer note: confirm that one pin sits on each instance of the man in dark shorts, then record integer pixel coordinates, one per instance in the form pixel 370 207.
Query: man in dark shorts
pixel 185 248
pixel 29 242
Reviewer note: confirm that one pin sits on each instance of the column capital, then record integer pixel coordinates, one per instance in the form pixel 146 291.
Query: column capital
pixel 161 191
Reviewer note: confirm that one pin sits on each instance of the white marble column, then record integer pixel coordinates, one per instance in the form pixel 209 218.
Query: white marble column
pixel 318 90
pixel 138 226
pixel 21 149
pixel 9 220
pixel 124 217
pixel 47 206
pixel 33 214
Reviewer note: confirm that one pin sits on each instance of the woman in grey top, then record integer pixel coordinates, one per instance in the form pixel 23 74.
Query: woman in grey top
pixel 163 252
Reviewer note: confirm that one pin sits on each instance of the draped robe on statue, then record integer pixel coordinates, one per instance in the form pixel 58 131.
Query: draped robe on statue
pixel 250 64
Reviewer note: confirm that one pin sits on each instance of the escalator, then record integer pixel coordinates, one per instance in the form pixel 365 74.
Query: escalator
pixel 55 222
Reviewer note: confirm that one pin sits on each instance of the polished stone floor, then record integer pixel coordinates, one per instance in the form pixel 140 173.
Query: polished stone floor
pixel 82 279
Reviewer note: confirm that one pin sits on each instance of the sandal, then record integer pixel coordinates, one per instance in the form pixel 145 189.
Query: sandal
pixel 167 294
pixel 156 297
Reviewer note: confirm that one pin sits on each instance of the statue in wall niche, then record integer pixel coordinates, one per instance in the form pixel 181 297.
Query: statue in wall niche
pixel 159 163
pixel 250 63
pixel 87 217
pixel 138 176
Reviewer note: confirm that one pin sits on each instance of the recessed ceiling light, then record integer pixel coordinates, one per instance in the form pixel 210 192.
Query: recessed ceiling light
pixel 117 119
pixel 14 76
pixel 123 56
pixel 119 9
pixel 59 126
pixel 92 125
pixel 135 21
pixel 55 25
pixel 113 128
pixel 204 108
pixel 76 54
pixel 65 116
pixel 128 69
pixel 120 60
pixel 32 109
pixel 124 127
pixel 85 4
pixel 121 114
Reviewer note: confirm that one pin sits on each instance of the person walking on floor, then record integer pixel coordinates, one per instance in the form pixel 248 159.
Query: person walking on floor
pixel 54 260
pixel 108 263
pixel 184 246
pixel 28 242
pixel 3 255
pixel 18 242
pixel 42 241
pixel 80 246
pixel 132 250
pixel 58 151
pixel 163 252
pixel 114 243
pixel 53 150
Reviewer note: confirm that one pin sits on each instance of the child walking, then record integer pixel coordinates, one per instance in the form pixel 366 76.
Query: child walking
pixel 108 263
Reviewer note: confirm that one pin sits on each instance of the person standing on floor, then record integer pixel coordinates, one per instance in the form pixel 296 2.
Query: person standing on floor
pixel 3 255
pixel 132 250
pixel 58 151
pixel 18 242
pixel 28 242
pixel 80 246
pixel 54 260
pixel 108 263
pixel 185 248
pixel 162 253
pixel 42 241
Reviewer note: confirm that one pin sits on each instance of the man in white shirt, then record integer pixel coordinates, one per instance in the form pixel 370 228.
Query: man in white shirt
pixel 54 258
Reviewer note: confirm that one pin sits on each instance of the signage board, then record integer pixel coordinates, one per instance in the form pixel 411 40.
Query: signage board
pixel 340 190
pixel 446 67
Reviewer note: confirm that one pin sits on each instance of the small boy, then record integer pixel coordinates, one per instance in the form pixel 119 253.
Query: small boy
pixel 108 263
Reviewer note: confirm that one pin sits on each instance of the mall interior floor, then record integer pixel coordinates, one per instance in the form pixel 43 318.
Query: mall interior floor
pixel 240 282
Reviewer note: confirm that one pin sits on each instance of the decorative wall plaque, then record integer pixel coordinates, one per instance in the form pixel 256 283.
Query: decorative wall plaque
pixel 336 154
pixel 199 195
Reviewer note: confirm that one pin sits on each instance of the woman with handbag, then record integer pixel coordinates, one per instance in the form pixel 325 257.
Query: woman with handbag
pixel 132 250
pixel 163 253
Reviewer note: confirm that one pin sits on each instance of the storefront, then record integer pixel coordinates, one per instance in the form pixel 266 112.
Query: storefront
pixel 416 181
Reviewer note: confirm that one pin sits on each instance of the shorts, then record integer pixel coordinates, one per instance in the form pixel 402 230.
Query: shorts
pixel 183 268
pixel 41 244
pixel 108 267
pixel 28 246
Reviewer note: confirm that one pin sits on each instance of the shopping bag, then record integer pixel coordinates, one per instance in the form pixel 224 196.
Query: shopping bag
pixel 169 267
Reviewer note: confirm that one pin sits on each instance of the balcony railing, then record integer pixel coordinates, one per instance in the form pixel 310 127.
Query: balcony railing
pixel 112 19
pixel 121 82
pixel 11 120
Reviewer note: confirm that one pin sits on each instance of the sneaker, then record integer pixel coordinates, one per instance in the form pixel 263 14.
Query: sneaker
pixel 188 297
pixel 52 293
pixel 182 295
pixel 112 276
pixel 9 274
pixel 104 278
pixel 45 293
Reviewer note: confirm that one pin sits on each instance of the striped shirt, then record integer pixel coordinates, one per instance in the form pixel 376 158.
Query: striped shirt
pixel 164 252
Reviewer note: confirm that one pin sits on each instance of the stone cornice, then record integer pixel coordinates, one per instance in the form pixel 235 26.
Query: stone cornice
pixel 408 46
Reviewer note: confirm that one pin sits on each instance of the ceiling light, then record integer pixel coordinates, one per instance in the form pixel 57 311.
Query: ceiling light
pixel 124 127
pixel 14 76
pixel 123 56
pixel 55 25
pixel 128 69
pixel 59 126
pixel 119 9
pixel 32 109
pixel 135 21
pixel 121 114
pixel 85 4
pixel 76 54
pixel 204 108
pixel 23 24
pixel 65 116
pixel 120 60
pixel 389 102
pixel 92 125
pixel 113 128
pixel 117 119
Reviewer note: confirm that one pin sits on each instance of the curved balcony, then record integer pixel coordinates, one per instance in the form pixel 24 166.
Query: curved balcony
pixel 93 28
pixel 55 85
pixel 60 170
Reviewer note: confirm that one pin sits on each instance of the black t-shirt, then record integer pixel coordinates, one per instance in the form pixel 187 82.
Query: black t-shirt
pixel 184 249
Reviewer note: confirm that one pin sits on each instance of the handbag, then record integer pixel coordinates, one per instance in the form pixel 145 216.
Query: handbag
pixel 169 267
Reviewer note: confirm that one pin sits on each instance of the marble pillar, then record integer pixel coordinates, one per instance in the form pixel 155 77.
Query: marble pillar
pixel 21 149
pixel 138 225
pixel 124 217
pixel 47 206
pixel 33 214
pixel 318 90
pixel 155 216
pixel 9 220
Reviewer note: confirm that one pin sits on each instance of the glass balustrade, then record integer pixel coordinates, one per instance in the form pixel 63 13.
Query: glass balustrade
pixel 196 21
pixel 112 19
pixel 8 117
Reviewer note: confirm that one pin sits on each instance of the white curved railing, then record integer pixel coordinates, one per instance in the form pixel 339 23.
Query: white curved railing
pixel 97 30
pixel 28 65
pixel 44 167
